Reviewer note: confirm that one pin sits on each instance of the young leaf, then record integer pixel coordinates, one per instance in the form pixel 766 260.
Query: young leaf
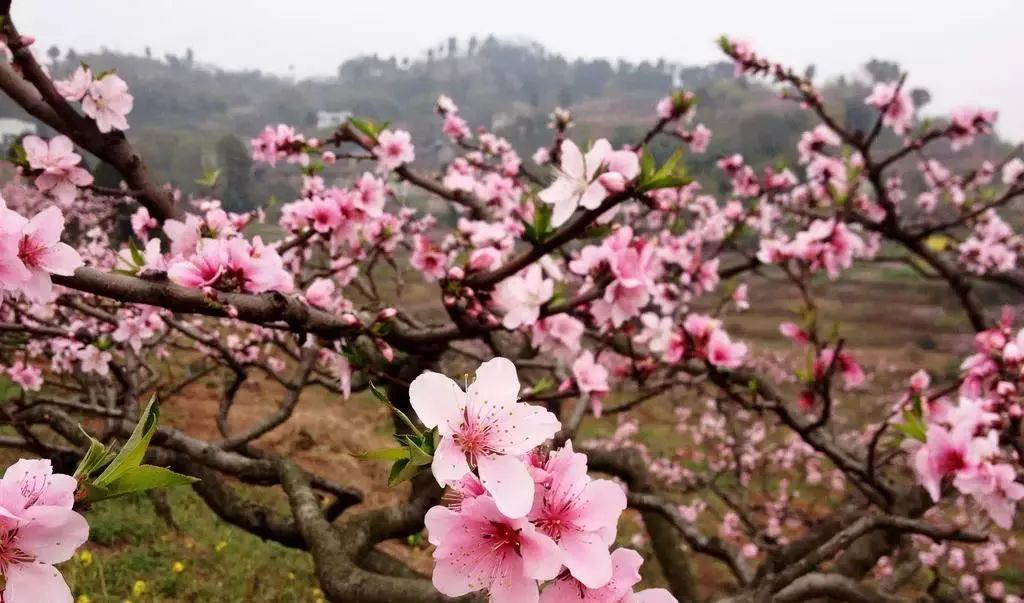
pixel 95 458
pixel 365 126
pixel 137 479
pixel 209 179
pixel 384 454
pixel 401 471
pixel 134 450
pixel 646 165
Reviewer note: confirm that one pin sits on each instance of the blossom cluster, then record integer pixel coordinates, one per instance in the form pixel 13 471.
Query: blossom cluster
pixel 104 97
pixel 521 514
pixel 962 439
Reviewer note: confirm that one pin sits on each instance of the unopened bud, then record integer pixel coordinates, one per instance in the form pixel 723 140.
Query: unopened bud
pixel 613 182
pixel 386 314
pixel 456 274
pixel 384 349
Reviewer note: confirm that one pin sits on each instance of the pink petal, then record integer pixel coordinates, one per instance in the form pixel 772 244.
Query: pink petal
pixel 60 259
pixel 496 386
pixel 52 534
pixel 542 559
pixel 563 591
pixel 563 210
pixel 514 588
pixel 45 227
pixel 509 482
pixel 572 160
pixel 439 521
pixel 36 151
pixel 438 401
pixel 185 274
pixel 38 287
pixel 449 464
pixel 587 557
pixel 602 503
pixel 652 595
pixel 36 582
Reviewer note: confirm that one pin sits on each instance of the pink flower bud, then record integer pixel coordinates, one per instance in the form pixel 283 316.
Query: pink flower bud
pixel 384 349
pixel 386 314
pixel 349 320
pixel 456 274
pixel 613 182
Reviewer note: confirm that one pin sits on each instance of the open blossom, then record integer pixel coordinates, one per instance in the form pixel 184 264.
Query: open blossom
pixel 393 149
pixel 576 183
pixel 40 251
pixel 108 102
pixel 38 529
pixel 480 548
pixel 232 265
pixel 58 165
pixel 484 428
pixel 521 297
pixel 722 352
pixel 277 143
pixel 75 87
pixel 625 575
pixel 558 335
pixel 894 101
pixel 580 514
pixel 968 123
pixel 28 378
pixel 426 258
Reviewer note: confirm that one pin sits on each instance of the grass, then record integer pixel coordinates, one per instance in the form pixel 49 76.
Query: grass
pixel 130 543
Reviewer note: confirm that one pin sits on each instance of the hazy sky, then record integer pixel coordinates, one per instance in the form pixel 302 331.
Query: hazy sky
pixel 966 53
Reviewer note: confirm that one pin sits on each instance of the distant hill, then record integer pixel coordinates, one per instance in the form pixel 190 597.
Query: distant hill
pixel 189 115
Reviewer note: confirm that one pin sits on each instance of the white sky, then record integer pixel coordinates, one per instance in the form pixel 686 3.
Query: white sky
pixel 964 53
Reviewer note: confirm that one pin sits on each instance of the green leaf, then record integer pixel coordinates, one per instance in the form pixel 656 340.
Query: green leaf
pixel 137 257
pixel 401 471
pixel 137 479
pixel 544 384
pixel 668 168
pixel 134 450
pixel 384 454
pixel 365 126
pixel 670 181
pixel 209 179
pixel 541 222
pixel 913 430
pixel 418 455
pixel 646 165
pixel 379 393
pixel 95 458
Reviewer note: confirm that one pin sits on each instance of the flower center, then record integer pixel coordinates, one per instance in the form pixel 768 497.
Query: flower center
pixel 503 537
pixel 10 554
pixel 473 439
pixel 29 252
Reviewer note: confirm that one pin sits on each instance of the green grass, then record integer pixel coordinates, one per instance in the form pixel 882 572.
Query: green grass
pixel 129 542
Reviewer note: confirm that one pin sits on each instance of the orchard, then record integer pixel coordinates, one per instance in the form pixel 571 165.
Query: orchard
pixel 570 283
